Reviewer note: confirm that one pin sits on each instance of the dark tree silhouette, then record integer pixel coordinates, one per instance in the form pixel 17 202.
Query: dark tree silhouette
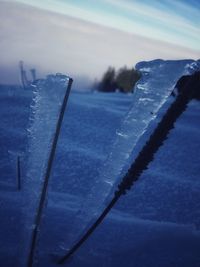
pixel 126 79
pixel 123 80
pixel 107 83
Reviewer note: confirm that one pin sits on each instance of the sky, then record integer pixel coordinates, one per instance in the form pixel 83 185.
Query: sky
pixel 84 37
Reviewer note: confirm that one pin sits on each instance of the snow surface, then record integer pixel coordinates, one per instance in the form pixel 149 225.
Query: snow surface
pixel 155 224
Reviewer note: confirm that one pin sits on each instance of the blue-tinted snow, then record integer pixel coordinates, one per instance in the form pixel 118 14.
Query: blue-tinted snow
pixel 155 224
pixel 14 116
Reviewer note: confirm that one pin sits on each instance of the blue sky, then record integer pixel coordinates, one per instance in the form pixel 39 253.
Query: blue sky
pixel 174 21
pixel 83 37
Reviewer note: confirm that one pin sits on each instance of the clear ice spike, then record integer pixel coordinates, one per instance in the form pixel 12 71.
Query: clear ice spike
pixel 158 80
pixel 49 95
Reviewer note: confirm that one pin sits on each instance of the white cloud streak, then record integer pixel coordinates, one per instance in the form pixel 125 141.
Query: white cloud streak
pixel 166 18
pixel 161 23
pixel 55 43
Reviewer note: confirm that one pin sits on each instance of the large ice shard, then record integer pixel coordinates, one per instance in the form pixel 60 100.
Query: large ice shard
pixel 48 108
pixel 158 80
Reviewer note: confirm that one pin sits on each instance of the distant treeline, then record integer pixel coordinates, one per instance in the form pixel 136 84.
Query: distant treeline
pixel 122 80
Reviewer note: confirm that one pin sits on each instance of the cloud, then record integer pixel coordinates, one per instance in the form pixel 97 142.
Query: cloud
pixel 165 19
pixel 58 43
pixel 168 20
